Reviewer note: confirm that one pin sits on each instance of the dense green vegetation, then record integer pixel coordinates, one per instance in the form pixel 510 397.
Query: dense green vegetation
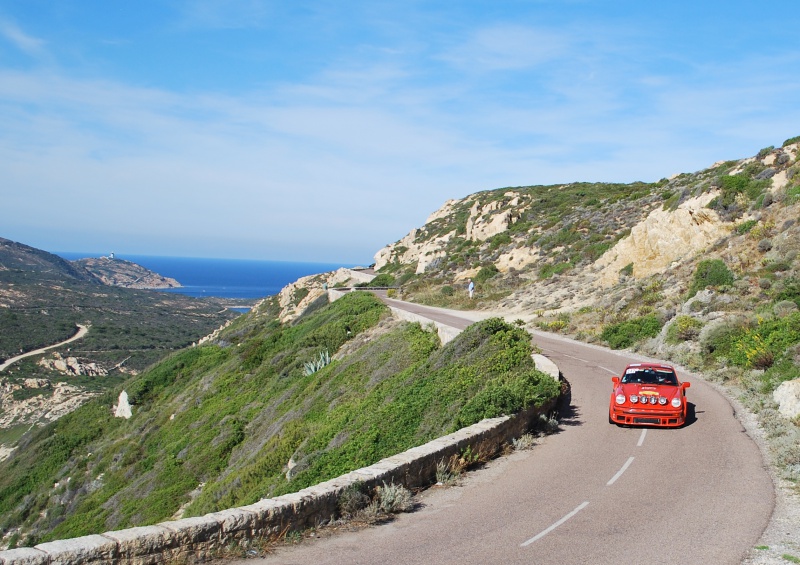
pixel 710 273
pixel 136 327
pixel 244 419
pixel 624 334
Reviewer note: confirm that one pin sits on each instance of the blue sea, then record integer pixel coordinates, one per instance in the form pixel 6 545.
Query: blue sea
pixel 224 278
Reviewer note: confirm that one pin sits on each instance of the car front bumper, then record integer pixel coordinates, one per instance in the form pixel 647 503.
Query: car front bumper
pixel 638 417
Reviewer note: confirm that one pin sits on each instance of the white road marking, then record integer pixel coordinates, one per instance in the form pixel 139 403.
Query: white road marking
pixel 576 358
pixel 641 438
pixel 612 371
pixel 619 473
pixel 554 526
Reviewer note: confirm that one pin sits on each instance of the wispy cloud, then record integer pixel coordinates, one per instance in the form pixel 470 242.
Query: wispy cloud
pixel 31 46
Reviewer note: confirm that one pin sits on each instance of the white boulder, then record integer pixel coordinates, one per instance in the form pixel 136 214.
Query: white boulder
pixel 787 395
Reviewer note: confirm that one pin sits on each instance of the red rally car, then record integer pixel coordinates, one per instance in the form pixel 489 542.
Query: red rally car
pixel 648 394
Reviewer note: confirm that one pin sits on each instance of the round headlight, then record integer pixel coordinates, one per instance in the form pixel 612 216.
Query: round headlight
pixel 634 398
pixel 662 400
pixel 620 399
pixel 653 399
pixel 676 402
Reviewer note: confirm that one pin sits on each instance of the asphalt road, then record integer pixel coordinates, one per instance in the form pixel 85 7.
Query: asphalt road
pixel 592 493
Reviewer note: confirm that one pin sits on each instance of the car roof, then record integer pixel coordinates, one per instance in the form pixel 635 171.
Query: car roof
pixel 650 366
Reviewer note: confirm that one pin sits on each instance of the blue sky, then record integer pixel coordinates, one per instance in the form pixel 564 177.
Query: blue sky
pixel 322 131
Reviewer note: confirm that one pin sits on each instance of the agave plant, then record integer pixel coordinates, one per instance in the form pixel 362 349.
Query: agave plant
pixel 311 367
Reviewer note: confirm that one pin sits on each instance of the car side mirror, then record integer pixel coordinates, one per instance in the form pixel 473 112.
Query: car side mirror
pixel 686 385
pixel 615 380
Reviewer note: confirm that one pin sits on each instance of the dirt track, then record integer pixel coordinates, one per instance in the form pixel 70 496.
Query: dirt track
pixel 82 331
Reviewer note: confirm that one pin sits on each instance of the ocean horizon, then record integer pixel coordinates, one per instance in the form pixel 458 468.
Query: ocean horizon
pixel 222 278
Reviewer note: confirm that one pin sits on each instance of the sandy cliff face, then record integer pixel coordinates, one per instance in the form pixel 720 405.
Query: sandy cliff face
pixel 296 297
pixel 663 238
pixel 493 218
pixel 484 221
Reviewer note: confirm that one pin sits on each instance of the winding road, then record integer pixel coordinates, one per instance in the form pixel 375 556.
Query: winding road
pixel 592 493
pixel 82 331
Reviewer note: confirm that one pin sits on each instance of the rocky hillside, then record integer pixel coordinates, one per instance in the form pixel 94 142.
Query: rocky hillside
pixel 118 272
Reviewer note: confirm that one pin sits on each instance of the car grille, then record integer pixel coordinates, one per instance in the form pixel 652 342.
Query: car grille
pixel 647 420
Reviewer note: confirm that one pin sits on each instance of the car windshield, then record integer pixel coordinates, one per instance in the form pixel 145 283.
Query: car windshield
pixel 650 376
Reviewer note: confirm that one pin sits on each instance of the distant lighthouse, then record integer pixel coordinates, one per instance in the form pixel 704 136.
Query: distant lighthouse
pixel 111 256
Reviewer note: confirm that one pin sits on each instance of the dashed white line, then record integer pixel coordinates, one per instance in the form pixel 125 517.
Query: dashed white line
pixel 619 473
pixel 641 438
pixel 612 371
pixel 576 358
pixel 554 526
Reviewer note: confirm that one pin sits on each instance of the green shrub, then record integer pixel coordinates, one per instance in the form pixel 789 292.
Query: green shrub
pixel 745 226
pixel 486 273
pixel 683 328
pixel 742 184
pixel 765 151
pixel 627 270
pixel 353 499
pixel 392 499
pixel 299 294
pixel 498 240
pixel 625 334
pixel 757 344
pixel 554 269
pixel 383 279
pixel 710 272
pixel 448 290
pixel 791 140
pixel 793 194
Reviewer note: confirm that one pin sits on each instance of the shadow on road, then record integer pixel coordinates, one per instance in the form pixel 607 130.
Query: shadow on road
pixel 568 413
pixel 691 414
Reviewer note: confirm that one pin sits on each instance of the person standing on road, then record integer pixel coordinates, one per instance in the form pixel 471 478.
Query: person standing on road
pixel 470 287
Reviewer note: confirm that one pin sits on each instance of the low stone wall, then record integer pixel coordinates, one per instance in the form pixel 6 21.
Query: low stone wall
pixel 446 333
pixel 360 276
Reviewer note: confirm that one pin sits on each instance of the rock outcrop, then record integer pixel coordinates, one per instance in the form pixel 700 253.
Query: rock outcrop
pixel 72 366
pixel 296 297
pixel 483 222
pixel 493 218
pixel 123 407
pixel 43 402
pixel 787 395
pixel 662 238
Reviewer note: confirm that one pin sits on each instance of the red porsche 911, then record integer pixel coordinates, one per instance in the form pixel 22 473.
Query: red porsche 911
pixel 648 394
